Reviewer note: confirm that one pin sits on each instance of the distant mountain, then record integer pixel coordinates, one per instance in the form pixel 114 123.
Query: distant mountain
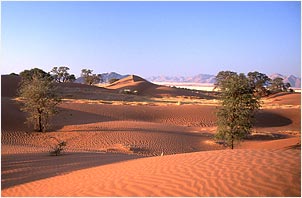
pixel 200 78
pixel 210 79
pixel 79 80
pixel 291 79
pixel 105 77
pixel 276 75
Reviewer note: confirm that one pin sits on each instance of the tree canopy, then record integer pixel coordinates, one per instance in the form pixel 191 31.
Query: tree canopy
pixel 259 83
pixel 28 75
pixel 60 74
pixel 277 85
pixel 39 96
pixel 89 77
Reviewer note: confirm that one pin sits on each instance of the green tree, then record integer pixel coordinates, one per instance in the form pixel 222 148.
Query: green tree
pixel 89 77
pixel 60 74
pixel 277 85
pixel 28 75
pixel 238 105
pixel 39 96
pixel 221 79
pixel 259 82
pixel 71 78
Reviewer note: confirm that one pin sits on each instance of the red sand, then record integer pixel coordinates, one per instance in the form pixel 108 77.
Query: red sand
pixel 213 173
pixel 105 144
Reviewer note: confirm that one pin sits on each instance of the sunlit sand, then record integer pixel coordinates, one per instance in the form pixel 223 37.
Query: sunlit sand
pixel 146 145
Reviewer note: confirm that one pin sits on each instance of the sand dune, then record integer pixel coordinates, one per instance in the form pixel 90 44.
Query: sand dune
pixel 110 147
pixel 9 85
pixel 287 143
pixel 285 98
pixel 146 130
pixel 186 115
pixel 11 113
pixel 213 173
pixel 146 88
pixel 23 168
pixel 278 120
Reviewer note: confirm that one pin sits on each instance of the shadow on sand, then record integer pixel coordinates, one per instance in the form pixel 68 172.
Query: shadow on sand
pixel 75 117
pixel 23 168
pixel 270 119
pixel 14 119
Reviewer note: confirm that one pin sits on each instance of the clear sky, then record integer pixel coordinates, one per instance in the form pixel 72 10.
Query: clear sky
pixel 152 38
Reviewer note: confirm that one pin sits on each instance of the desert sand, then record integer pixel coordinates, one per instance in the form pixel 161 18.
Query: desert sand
pixel 141 145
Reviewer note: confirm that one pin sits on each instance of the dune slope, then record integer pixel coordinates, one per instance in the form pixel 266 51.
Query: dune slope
pixel 212 173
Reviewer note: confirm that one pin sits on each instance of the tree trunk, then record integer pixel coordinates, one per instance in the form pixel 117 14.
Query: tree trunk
pixel 232 142
pixel 40 120
pixel 40 123
pixel 232 146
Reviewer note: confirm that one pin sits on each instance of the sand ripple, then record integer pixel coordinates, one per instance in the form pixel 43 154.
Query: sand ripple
pixel 213 173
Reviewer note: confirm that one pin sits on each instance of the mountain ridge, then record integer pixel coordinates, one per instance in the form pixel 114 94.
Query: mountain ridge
pixel 210 79
pixel 199 78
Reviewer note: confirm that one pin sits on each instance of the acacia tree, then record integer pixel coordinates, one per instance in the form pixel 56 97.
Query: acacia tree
pixel 277 85
pixel 60 74
pixel 238 105
pixel 89 77
pixel 39 96
pixel 27 75
pixel 259 82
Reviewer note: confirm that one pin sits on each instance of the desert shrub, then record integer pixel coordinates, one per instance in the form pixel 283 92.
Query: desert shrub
pixel 58 148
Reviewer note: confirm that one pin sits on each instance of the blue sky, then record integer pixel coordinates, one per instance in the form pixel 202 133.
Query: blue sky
pixel 152 38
